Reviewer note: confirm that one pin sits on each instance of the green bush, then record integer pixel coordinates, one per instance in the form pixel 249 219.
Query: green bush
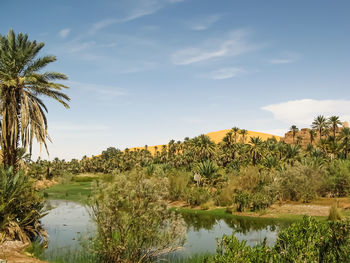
pixel 207 169
pixel 334 213
pixel 178 184
pixel 308 240
pixel 339 178
pixel 133 221
pixel 242 200
pixel 260 201
pixel 196 195
pixel 20 208
pixel 300 183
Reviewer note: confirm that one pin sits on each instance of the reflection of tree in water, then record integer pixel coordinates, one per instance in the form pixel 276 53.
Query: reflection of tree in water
pixel 238 224
pixel 199 221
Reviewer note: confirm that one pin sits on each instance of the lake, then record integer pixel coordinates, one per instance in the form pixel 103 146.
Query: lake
pixel 69 224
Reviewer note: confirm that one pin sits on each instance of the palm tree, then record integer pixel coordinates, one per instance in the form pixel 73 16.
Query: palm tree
pixel 312 135
pixel 320 124
pixel 22 83
pixel 345 136
pixel 334 122
pixel 235 131
pixel 244 133
pixel 294 131
pixel 256 149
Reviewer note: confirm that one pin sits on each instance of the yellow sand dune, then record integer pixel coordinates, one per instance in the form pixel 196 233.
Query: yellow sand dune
pixel 217 137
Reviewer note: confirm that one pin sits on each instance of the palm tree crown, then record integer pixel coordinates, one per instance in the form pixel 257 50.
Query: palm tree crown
pixel 22 83
pixel 320 124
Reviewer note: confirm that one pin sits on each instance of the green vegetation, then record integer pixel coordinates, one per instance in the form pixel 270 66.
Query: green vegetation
pixel 133 221
pixel 73 191
pixel 305 241
pixel 20 208
pixel 22 82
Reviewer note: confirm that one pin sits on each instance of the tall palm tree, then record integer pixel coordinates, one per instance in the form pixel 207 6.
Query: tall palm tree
pixel 294 131
pixel 22 84
pixel 244 133
pixel 345 136
pixel 235 131
pixel 334 122
pixel 320 124
pixel 312 135
pixel 256 149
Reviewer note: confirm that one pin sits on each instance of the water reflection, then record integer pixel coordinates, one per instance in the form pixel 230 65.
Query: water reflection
pixel 67 222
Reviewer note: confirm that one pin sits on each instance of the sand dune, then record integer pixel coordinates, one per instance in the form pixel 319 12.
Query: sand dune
pixel 217 137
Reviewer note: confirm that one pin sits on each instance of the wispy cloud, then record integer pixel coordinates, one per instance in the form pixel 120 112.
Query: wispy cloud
pixel 285 58
pixel 302 112
pixel 224 73
pixel 203 23
pixel 138 9
pixel 64 32
pixel 235 44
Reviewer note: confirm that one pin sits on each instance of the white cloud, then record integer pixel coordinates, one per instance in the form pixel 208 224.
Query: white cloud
pixel 302 112
pixel 204 23
pixel 64 32
pixel 235 44
pixel 136 10
pixel 225 73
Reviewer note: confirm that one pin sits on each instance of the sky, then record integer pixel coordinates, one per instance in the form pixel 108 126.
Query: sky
pixel 148 71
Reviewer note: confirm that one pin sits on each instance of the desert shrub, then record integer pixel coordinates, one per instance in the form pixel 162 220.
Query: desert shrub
pixel 334 213
pixel 133 221
pixel 225 195
pixel 65 178
pixel 261 201
pixel 178 184
pixel 150 169
pixel 242 200
pixel 230 249
pixel 195 196
pixel 307 240
pixel 300 183
pixel 314 241
pixel 20 208
pixel 338 173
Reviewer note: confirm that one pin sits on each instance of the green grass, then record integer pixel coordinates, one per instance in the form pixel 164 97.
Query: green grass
pixel 73 191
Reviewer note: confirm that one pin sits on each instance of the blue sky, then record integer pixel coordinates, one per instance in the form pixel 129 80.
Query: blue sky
pixel 147 71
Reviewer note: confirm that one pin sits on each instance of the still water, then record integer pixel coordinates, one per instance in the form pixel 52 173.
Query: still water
pixel 69 224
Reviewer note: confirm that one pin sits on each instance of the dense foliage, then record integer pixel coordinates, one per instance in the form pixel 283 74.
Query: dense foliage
pixel 305 241
pixel 22 84
pixel 133 221
pixel 20 208
pixel 236 172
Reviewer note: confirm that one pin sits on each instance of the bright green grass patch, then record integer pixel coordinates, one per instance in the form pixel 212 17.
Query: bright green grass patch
pixel 73 191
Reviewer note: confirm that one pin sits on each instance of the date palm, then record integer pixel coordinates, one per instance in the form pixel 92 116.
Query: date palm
pixel 243 133
pixel 22 84
pixel 320 124
pixel 345 136
pixel 334 122
pixel 312 135
pixel 235 131
pixel 294 131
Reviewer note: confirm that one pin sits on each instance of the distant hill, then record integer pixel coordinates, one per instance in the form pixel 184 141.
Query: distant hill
pixel 218 136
